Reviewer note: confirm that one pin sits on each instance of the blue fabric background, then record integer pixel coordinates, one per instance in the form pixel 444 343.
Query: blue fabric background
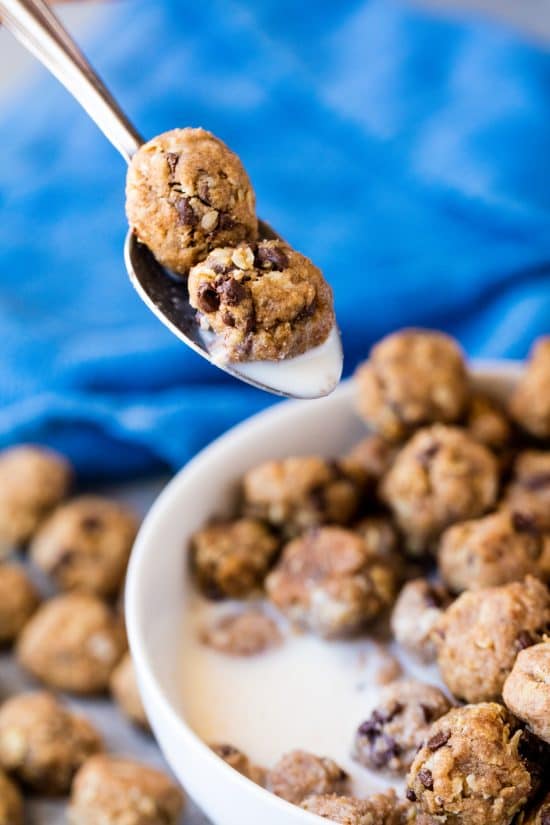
pixel 408 155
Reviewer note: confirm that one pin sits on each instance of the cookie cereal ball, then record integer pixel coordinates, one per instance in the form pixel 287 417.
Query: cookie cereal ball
pixel 330 582
pixel 42 743
pixel 530 402
pixel 415 617
pixel 483 631
pixel 470 770
pixel 527 689
pixel 296 493
pixel 18 601
pixel 73 643
pixel 298 775
pixel 115 791
pixel 237 760
pixel 441 476
pixel 187 193
pixel 266 301
pixel 389 739
pixel 528 495
pixel 85 545
pixel 33 480
pixel 378 809
pixel 231 559
pixel 412 378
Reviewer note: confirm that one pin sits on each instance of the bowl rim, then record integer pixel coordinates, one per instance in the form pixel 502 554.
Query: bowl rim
pixel 481 370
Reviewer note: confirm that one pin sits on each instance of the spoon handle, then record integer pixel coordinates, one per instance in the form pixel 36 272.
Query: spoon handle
pixel 35 25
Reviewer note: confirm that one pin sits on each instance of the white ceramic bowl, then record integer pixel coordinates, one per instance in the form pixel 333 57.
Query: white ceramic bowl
pixel 158 583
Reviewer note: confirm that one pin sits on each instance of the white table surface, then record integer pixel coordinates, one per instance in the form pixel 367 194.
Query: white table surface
pixel 16 68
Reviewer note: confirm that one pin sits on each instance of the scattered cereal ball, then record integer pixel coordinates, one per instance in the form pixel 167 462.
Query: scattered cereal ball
pixel 389 739
pixel 124 689
pixel 416 615
pixel 540 815
pixel 187 193
pixel 85 545
pixel 470 770
pixel 298 775
pixel 528 495
pixel 530 402
pixel 527 689
pixel 331 582
pixel 237 760
pixel 369 459
pixel 486 421
pixel 232 558
pixel 42 743
pixel 115 791
pixel 265 300
pixel 11 802
pixel 412 378
pixel 18 601
pixel 33 481
pixel 73 643
pixel 379 809
pixel 441 476
pixel 246 633
pixel 483 631
pixel 488 552
pixel 295 494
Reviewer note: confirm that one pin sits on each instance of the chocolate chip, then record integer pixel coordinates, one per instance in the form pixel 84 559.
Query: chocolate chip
pixel 172 161
pixel 425 456
pixel 271 257
pixel 427 713
pixel 220 269
pixel 381 757
pixel 225 751
pixel 251 324
pixel 438 740
pixel 208 298
pixel 203 190
pixel 536 482
pixel 433 598
pixel 524 523
pixel 91 523
pixel 427 779
pixel 232 291
pixel 65 559
pixel 185 212
pixel 524 640
pixel 410 794
pixel 225 221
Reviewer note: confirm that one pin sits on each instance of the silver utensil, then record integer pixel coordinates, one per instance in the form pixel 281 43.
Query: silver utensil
pixel 35 25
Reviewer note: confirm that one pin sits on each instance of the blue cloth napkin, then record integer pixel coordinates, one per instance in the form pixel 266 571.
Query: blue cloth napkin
pixel 408 155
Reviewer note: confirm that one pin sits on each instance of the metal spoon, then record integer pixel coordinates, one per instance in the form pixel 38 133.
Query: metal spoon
pixel 312 375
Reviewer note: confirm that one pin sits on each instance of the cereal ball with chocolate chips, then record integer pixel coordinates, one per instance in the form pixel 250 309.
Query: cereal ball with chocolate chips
pixel 490 551
pixel 389 739
pixel 298 775
pixel 85 545
pixel 115 791
pixel 369 459
pixel 527 689
pixel 33 481
pixel 412 378
pixel 379 809
pixel 11 802
pixel 416 615
pixel 237 760
pixel 487 422
pixel 528 495
pixel 18 601
pixel 331 582
pixel 470 770
pixel 187 193
pixel 73 643
pixel 294 494
pixel 265 301
pixel 124 689
pixel 246 633
pixel 232 558
pixel 483 631
pixel 530 402
pixel 441 476
pixel 42 743
pixel 539 815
